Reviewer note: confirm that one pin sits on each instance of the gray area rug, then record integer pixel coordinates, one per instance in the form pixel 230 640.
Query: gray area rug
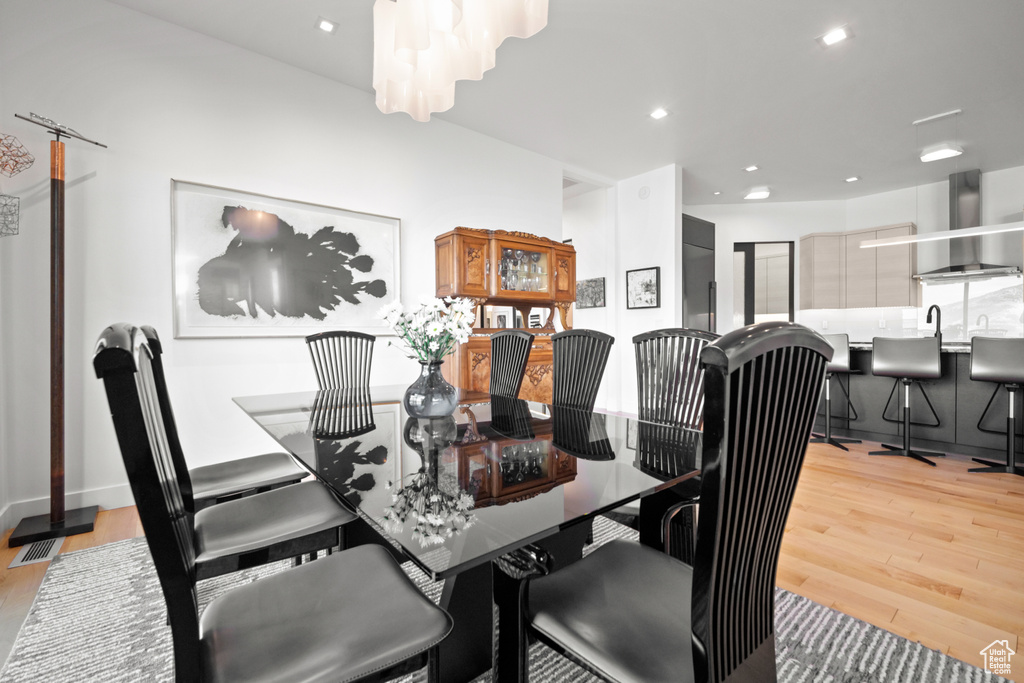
pixel 100 616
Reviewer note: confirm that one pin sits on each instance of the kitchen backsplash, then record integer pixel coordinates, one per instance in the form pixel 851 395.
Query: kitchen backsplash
pixel 994 308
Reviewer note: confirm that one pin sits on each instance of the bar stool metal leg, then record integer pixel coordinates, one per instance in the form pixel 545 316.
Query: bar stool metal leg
pixel 827 436
pixel 1011 466
pixel 905 449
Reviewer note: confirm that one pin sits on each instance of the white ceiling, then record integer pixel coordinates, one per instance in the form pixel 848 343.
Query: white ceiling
pixel 745 82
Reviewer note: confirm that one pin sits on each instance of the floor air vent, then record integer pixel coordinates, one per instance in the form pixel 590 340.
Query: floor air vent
pixel 40 551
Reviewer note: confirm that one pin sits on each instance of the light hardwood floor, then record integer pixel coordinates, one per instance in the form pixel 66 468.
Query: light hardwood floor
pixel 933 554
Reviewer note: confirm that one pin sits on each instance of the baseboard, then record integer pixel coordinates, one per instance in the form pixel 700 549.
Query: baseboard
pixel 107 498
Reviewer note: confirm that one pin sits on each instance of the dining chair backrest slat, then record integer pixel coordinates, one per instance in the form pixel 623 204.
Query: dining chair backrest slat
pixel 580 357
pixel 669 376
pixel 341 358
pixel 510 351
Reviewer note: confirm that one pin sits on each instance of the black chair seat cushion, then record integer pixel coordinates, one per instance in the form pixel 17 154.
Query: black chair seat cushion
pixel 335 619
pixel 911 358
pixel 624 609
pixel 235 476
pixel 997 360
pixel 247 524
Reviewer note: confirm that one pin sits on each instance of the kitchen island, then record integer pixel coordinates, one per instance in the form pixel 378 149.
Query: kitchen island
pixel 959 404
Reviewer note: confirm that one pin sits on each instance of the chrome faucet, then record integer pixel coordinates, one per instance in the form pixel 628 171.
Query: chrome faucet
pixel 938 321
pixel 978 321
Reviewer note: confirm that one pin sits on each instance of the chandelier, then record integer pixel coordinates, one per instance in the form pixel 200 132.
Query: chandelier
pixel 421 47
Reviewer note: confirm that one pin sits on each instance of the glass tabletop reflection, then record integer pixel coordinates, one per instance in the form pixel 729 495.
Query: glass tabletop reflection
pixel 497 474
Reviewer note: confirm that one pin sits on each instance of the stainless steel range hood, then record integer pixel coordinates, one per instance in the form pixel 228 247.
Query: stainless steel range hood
pixel 965 252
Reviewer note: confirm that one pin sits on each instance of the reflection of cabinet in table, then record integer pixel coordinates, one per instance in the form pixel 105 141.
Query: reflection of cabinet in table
pixel 502 471
pixel 495 267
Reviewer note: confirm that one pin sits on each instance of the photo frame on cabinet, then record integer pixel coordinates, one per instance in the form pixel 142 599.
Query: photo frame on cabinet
pixel 643 288
pixel 590 293
pixel 251 265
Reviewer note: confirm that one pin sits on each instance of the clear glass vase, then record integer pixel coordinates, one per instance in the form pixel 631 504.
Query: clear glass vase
pixel 430 395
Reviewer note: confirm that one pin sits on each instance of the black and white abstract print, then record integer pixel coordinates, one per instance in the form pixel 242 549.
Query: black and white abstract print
pixel 249 265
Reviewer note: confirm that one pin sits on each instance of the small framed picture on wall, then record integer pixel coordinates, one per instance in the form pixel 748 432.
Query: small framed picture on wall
pixel 643 288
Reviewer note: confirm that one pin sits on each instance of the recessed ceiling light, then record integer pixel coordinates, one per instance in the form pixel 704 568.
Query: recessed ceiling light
pixel 758 193
pixel 943 151
pixel 853 179
pixel 750 168
pixel 717 193
pixel 326 25
pixel 836 35
pixel 659 113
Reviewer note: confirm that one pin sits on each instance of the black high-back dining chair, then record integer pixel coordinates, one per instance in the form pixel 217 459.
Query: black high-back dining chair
pixel 630 613
pixel 351 616
pixel 580 357
pixel 510 349
pixel 669 376
pixel 670 391
pixel 282 523
pixel 210 484
pixel 341 358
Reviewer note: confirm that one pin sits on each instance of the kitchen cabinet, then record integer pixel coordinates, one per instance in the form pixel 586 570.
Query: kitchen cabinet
pixel 835 272
pixel 822 271
pixel 895 267
pixel 861 271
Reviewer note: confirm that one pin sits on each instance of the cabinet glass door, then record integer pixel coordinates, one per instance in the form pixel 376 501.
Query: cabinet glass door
pixel 521 270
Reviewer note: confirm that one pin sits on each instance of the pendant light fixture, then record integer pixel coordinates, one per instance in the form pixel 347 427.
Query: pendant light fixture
pixel 421 47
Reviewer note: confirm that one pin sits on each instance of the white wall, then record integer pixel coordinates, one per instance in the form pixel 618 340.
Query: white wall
pixel 648 233
pixel 170 103
pixel 589 220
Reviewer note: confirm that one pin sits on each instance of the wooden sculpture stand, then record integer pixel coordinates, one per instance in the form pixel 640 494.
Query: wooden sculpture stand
pixel 475 264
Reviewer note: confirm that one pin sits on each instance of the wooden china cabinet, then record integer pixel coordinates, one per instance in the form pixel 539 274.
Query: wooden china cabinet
pixel 500 268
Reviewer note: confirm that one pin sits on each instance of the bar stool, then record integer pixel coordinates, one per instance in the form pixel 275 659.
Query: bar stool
pixel 840 363
pixel 1001 361
pixel 908 360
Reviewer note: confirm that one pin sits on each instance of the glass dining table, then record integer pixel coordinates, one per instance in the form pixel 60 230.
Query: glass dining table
pixel 453 494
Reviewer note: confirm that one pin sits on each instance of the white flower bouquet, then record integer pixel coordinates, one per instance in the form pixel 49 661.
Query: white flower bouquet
pixel 432 331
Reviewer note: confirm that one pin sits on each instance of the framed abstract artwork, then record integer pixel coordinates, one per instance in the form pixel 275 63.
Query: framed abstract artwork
pixel 643 288
pixel 590 293
pixel 249 265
